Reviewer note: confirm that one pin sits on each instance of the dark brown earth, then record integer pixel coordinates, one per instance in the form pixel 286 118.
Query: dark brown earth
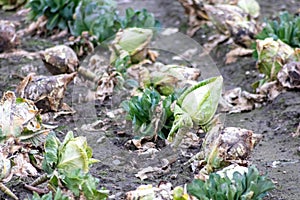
pixel 277 154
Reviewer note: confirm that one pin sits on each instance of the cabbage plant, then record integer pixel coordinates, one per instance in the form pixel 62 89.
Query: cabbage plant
pixel 196 106
pixel 68 163
pixel 101 19
pixel 232 185
pixel 58 12
pixel 71 154
pixel 272 55
pixel 150 113
pixel 286 28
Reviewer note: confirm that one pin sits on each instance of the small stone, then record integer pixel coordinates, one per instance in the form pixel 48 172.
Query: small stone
pixel 116 162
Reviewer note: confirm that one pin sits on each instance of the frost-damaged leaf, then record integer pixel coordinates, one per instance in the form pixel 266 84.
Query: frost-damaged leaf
pixel 234 17
pixel 22 166
pixel 234 21
pixel 83 44
pixel 232 55
pixel 214 41
pixel 237 101
pixel 15 159
pixel 145 192
pixel 47 92
pixel 19 118
pixel 106 85
pixel 196 14
pixel 231 145
pixel 60 59
pixel 5 166
pixel 166 78
pixel 289 75
pixel 147 172
pixel 132 42
pixel 8 36
pixel 272 55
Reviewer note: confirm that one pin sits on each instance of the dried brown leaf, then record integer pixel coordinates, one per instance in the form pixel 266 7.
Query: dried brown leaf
pixel 236 100
pixel 214 41
pixel 60 59
pixel 289 75
pixel 47 92
pixel 163 191
pixel 232 55
pixel 231 145
pixel 15 117
pixel 22 166
pixel 8 36
pixel 20 53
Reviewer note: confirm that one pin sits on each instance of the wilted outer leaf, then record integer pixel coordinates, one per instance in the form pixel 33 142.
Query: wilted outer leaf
pixel 272 55
pixel 289 75
pixel 107 84
pixel 166 78
pixel 22 166
pixel 231 145
pixel 47 92
pixel 133 41
pixel 5 167
pixel 250 6
pixel 148 192
pixel 16 115
pixel 236 100
pixel 8 36
pixel 234 21
pixel 74 153
pixel 60 59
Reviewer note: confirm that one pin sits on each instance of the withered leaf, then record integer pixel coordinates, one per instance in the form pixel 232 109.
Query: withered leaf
pixel 236 100
pixel 17 115
pixel 289 75
pixel 8 36
pixel 232 55
pixel 163 191
pixel 231 145
pixel 60 59
pixel 47 92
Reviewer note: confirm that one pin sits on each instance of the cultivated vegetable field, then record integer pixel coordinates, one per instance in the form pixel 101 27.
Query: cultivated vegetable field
pixel 129 99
